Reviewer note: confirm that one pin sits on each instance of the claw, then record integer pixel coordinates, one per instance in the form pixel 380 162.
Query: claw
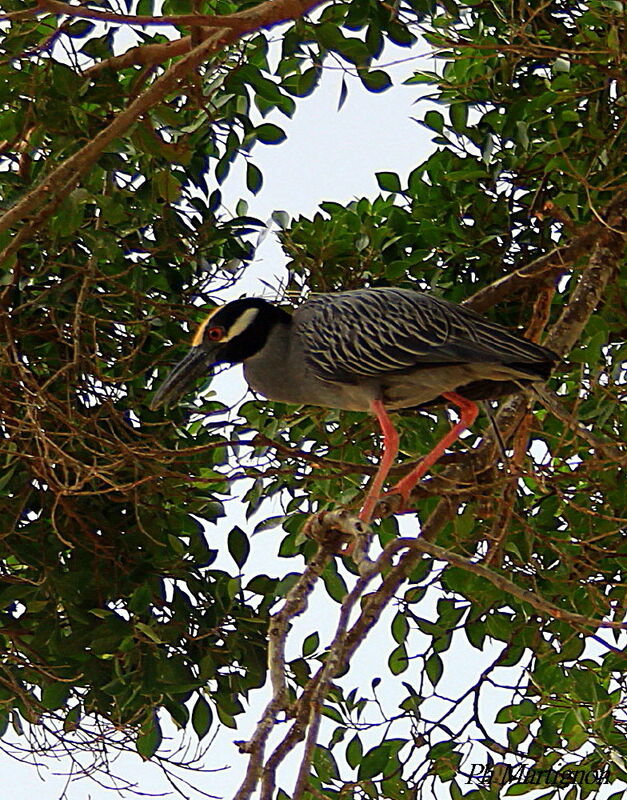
pixel 390 503
pixel 340 530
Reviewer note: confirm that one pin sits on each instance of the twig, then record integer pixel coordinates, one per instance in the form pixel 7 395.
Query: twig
pixel 552 404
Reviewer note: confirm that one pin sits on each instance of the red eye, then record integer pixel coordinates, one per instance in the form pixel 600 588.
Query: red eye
pixel 215 334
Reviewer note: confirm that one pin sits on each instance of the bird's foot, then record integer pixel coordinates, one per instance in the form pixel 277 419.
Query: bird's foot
pixel 341 531
pixel 392 502
pixel 396 501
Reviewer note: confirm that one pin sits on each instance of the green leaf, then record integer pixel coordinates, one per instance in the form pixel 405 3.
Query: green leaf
pixel 302 85
pixel 354 751
pixel 222 168
pixel 388 181
pixel 517 711
pixel 168 185
pixel 202 717
pixel 398 661
pixel 150 738
pixel 80 29
pixel 459 116
pixel 325 764
pixel 400 627
pixel 522 137
pixel 55 695
pixel 149 632
pixel 343 94
pixel 282 219
pixel 434 120
pixel 334 583
pixel 338 736
pixel 270 134
pixel 561 64
pixel 376 80
pixel 378 758
pixel 329 36
pixel 423 77
pixel 254 178
pixel 373 763
pixel 311 643
pixel 239 546
pixel 434 668
pixel 140 599
pixel 332 38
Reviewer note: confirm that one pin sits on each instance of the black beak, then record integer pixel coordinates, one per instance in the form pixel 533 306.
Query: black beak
pixel 195 365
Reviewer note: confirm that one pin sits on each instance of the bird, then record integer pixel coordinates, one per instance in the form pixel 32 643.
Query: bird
pixel 377 349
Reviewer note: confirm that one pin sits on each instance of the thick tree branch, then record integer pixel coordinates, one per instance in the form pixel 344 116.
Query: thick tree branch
pixel 329 529
pixel 295 603
pixel 265 15
pixel 604 261
pixel 240 21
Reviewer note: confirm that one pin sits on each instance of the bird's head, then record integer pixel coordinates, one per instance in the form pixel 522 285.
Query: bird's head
pixel 230 334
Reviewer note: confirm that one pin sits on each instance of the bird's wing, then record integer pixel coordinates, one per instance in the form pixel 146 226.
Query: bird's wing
pixel 370 332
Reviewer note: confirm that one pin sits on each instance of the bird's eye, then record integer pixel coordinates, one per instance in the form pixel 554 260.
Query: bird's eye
pixel 215 334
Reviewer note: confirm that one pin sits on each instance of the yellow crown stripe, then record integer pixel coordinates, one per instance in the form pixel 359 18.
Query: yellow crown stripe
pixel 200 332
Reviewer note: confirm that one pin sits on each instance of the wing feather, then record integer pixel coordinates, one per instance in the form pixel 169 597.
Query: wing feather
pixel 369 332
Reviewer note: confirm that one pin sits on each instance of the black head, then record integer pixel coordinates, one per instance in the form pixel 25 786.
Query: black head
pixel 230 334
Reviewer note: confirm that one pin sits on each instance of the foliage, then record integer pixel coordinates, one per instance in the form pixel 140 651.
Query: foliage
pixel 113 235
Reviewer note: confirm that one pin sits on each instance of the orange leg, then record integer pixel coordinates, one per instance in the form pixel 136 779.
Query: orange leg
pixel 390 451
pixel 468 414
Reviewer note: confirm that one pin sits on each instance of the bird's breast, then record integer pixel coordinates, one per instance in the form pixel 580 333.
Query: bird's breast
pixel 279 371
pixel 300 387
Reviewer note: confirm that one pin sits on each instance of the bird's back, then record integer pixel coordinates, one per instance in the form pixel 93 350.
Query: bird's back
pixel 412 347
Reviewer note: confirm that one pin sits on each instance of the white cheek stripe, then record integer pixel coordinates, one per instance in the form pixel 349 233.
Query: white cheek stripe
pixel 241 323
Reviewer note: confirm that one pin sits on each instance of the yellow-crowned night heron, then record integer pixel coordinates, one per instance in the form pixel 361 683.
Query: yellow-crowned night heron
pixel 366 350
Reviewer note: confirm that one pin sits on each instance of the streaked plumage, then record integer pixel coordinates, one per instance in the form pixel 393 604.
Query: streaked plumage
pixel 414 346
pixel 365 350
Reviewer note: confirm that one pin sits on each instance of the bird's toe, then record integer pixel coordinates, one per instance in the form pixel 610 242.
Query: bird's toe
pixel 392 502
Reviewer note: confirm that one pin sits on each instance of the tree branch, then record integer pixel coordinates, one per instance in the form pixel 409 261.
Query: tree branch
pixel 549 267
pixel 295 603
pixel 604 261
pixel 239 21
pixel 503 583
pixel 267 14
pixel 144 55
